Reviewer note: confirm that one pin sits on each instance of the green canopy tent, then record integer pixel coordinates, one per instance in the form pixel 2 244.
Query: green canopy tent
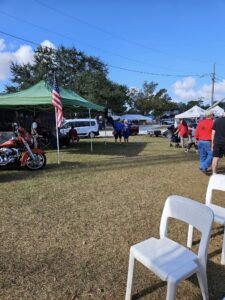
pixel 39 97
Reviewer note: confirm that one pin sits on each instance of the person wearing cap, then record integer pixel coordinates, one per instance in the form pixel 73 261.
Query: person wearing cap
pixel 218 141
pixel 203 136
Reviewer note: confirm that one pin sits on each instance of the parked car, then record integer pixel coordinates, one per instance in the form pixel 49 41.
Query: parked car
pixel 167 121
pixel 84 127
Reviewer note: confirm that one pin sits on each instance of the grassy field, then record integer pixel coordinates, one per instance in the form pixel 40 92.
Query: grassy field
pixel 66 230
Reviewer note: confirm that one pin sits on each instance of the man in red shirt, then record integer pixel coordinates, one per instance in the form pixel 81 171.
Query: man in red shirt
pixel 203 135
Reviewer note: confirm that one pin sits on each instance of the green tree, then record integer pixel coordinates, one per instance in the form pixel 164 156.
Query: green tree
pixel 192 103
pixel 86 75
pixel 148 99
pixel 181 106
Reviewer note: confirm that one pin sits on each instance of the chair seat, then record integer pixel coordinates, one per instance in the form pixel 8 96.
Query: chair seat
pixel 166 258
pixel 219 213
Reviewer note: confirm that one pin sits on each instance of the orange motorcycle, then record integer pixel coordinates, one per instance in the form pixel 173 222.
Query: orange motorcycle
pixel 17 152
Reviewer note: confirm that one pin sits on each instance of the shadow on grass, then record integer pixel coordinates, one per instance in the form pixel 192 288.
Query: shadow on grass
pixel 221 170
pixel 216 284
pixel 148 290
pixel 220 231
pixel 117 163
pixel 108 148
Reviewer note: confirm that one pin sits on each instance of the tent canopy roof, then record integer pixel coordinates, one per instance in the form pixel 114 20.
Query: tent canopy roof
pixel 41 94
pixel 194 112
pixel 134 117
pixel 217 110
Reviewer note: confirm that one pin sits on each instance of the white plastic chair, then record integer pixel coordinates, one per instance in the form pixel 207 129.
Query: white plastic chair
pixel 216 182
pixel 168 259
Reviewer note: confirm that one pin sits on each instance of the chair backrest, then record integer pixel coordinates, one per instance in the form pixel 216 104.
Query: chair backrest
pixel 216 182
pixel 191 212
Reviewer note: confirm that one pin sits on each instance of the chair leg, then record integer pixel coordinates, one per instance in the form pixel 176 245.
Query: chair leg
pixel 223 249
pixel 190 236
pixel 130 276
pixel 202 280
pixel 171 290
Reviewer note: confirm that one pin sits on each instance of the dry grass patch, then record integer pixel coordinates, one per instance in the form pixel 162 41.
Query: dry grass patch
pixel 66 231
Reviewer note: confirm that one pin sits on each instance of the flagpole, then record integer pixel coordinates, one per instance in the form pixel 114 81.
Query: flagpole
pixel 56 102
pixel 90 130
pixel 105 129
pixel 57 135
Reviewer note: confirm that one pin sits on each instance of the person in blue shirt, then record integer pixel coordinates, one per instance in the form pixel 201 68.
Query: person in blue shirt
pixel 126 131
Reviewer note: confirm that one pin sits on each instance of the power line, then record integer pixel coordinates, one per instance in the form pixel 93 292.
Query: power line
pixel 116 67
pixel 157 74
pixel 78 41
pixel 220 78
pixel 19 38
pixel 110 33
pixel 71 39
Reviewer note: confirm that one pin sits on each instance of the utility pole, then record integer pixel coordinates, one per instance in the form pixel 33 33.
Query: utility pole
pixel 213 82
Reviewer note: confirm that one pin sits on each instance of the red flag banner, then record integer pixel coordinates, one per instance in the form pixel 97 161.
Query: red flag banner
pixel 56 102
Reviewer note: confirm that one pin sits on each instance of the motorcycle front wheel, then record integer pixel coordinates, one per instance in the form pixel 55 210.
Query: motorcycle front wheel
pixel 37 163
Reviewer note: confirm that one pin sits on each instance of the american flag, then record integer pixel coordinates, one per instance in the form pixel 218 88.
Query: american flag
pixel 56 102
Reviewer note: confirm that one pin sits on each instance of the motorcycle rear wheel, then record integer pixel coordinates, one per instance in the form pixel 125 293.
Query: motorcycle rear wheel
pixel 36 164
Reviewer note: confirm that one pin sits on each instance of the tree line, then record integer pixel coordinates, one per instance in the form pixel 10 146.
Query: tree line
pixel 88 76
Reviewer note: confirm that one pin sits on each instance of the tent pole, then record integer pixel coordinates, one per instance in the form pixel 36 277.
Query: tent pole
pixel 57 135
pixel 90 130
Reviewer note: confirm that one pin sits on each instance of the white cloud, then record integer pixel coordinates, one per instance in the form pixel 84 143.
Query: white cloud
pixel 48 44
pixel 2 44
pixel 185 84
pixel 5 60
pixel 185 90
pixel 23 55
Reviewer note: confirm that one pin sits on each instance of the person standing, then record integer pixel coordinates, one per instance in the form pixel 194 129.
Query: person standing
pixel 35 128
pixel 203 136
pixel 118 131
pixel 182 131
pixel 218 141
pixel 126 131
pixel 73 135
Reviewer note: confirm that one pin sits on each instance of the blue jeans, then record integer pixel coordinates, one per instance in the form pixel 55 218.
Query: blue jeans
pixel 205 152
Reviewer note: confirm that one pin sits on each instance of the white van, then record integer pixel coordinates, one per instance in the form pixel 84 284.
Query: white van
pixel 84 127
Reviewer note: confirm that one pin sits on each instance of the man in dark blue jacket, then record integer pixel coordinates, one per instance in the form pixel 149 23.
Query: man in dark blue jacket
pixel 118 131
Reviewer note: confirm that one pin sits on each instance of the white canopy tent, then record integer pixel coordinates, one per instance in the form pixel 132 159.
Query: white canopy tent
pixel 217 110
pixel 194 112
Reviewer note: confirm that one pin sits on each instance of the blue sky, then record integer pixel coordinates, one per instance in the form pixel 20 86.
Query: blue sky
pixel 173 37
